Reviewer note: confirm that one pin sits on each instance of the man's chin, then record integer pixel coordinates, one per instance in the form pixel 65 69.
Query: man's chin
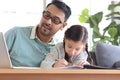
pixel 45 33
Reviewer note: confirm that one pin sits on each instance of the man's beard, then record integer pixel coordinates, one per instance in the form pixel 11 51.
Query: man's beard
pixel 45 30
pixel 46 27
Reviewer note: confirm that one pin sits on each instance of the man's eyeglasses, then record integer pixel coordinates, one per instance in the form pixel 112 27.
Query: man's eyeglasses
pixel 54 19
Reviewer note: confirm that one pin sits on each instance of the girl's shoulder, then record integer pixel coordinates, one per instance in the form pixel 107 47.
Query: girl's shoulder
pixel 60 45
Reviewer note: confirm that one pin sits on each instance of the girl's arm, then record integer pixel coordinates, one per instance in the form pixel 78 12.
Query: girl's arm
pixel 50 58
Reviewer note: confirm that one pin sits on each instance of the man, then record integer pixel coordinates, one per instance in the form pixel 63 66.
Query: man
pixel 28 45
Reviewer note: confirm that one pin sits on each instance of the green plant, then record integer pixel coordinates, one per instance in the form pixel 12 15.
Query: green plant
pixel 111 33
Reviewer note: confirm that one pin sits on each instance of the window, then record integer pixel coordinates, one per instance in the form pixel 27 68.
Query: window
pixel 19 13
pixel 28 12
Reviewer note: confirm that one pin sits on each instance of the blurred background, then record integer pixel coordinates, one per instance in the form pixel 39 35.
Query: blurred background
pixel 28 13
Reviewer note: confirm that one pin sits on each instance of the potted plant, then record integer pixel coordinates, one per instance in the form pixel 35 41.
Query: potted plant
pixel 111 33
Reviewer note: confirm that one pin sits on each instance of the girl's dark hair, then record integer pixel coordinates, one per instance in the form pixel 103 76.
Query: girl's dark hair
pixel 78 33
pixel 89 59
pixel 64 7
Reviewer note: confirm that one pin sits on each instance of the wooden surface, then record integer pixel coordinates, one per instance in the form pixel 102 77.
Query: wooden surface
pixel 59 74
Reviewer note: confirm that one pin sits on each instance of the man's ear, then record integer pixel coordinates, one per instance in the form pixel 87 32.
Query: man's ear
pixel 64 24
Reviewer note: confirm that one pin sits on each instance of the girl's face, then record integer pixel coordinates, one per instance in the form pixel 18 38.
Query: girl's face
pixel 73 48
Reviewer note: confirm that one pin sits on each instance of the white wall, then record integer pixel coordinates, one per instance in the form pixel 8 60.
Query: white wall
pixel 19 13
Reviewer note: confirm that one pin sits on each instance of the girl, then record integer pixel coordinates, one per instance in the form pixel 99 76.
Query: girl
pixel 73 50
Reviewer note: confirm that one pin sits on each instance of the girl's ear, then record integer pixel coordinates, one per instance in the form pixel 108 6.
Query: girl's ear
pixel 64 24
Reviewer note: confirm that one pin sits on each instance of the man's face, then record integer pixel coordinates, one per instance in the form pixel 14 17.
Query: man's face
pixel 51 21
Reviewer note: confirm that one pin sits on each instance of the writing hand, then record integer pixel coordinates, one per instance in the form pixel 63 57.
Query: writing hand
pixel 60 63
pixel 81 63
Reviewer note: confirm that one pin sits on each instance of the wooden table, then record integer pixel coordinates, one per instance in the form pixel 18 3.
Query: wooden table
pixel 59 74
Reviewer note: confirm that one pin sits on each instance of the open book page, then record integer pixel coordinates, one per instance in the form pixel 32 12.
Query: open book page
pixel 72 67
pixel 84 67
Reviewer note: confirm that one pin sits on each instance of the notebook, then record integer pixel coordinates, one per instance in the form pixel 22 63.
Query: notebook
pixel 5 61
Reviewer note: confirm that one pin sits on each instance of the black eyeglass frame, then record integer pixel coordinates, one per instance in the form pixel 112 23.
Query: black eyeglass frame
pixel 56 20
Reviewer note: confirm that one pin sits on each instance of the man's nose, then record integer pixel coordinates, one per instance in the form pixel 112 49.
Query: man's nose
pixel 49 21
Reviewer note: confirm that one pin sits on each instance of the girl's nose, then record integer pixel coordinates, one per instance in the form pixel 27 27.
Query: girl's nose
pixel 72 52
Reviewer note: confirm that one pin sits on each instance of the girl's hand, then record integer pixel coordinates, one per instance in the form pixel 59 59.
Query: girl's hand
pixel 81 63
pixel 60 63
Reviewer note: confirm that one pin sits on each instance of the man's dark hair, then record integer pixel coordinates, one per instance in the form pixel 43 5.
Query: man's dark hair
pixel 64 7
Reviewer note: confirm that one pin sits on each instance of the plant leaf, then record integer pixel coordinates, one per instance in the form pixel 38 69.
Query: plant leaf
pixel 112 32
pixel 83 18
pixel 95 19
pixel 85 12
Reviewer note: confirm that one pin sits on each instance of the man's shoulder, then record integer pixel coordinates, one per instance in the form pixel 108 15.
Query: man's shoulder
pixel 22 27
pixel 17 28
